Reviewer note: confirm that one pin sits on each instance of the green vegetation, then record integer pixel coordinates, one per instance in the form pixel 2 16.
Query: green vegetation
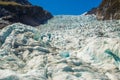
pixel 5 3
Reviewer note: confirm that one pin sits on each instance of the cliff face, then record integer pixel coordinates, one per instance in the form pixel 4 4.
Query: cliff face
pixel 23 12
pixel 109 9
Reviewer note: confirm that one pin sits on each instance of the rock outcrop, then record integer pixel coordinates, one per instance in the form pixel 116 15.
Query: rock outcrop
pixel 109 9
pixel 22 11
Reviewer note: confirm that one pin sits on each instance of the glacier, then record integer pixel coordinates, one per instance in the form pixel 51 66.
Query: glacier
pixel 65 48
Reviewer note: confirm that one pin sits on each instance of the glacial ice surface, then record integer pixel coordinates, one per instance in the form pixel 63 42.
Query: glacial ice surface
pixel 65 48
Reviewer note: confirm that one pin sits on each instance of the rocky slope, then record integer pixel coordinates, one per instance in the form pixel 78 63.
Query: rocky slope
pixel 22 11
pixel 108 9
pixel 66 48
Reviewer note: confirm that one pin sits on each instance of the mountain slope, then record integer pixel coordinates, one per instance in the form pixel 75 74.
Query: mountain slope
pixel 109 9
pixel 13 11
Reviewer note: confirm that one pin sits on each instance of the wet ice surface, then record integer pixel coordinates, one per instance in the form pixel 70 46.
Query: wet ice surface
pixel 66 48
